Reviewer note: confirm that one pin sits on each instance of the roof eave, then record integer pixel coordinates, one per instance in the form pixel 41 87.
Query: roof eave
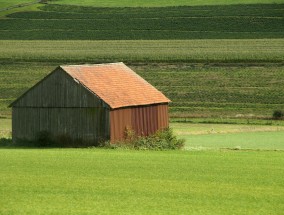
pixel 138 105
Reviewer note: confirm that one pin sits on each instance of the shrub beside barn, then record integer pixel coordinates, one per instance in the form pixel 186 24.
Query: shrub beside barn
pixel 89 103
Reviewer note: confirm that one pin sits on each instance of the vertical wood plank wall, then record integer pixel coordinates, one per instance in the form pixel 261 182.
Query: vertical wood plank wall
pixel 60 106
pixel 59 90
pixel 87 124
pixel 144 120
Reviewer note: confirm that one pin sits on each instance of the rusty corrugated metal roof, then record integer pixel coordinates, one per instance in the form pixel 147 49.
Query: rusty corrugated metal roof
pixel 116 84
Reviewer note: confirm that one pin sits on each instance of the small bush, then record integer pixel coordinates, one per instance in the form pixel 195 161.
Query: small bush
pixel 43 139
pixel 161 140
pixel 278 114
pixel 6 142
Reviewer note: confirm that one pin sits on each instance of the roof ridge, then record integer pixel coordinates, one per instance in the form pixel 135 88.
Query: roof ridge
pixel 93 65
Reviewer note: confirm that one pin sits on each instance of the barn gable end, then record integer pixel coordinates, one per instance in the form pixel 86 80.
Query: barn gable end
pixel 59 89
pixel 62 107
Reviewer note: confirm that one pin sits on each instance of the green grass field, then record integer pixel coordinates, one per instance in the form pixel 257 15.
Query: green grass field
pixel 63 22
pixel 9 3
pixel 231 136
pixel 160 3
pixel 234 90
pixel 203 180
pixel 204 78
pixel 5 128
pixel 257 140
pixel 259 51
pixel 142 3
pixel 33 7
pixel 203 136
pixel 232 168
pixel 91 181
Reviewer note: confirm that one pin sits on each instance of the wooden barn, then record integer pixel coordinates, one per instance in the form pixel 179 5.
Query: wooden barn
pixel 90 103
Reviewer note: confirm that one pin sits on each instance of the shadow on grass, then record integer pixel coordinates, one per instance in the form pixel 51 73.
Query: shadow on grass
pixel 7 143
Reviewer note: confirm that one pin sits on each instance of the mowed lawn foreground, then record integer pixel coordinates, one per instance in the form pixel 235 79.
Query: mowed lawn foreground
pixel 95 181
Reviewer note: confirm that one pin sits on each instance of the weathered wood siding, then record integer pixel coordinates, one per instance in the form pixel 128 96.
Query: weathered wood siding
pixel 60 106
pixel 87 124
pixel 59 90
pixel 144 120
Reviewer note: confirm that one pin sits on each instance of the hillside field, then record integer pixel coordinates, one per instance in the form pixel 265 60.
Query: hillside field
pixel 195 92
pixel 9 3
pixel 159 3
pixel 203 78
pixel 65 22
pixel 187 52
pixel 220 62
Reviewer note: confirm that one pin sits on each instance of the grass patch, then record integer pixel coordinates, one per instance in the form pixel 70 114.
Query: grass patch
pixel 85 181
pixel 9 3
pixel 5 128
pixel 4 11
pixel 260 51
pixel 182 129
pixel 158 3
pixel 63 22
pixel 238 141
pixel 229 121
pixel 216 136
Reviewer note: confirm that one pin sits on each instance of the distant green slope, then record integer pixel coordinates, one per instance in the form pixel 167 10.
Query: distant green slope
pixel 202 77
pixel 9 3
pixel 13 6
pixel 195 92
pixel 159 3
pixel 57 22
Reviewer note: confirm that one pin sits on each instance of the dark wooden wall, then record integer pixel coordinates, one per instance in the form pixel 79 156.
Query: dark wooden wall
pixel 60 106
pixel 86 124
pixel 59 90
pixel 144 120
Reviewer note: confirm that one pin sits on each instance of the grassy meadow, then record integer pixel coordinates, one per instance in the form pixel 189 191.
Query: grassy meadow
pixel 159 3
pixel 5 128
pixel 92 181
pixel 196 89
pixel 9 3
pixel 140 3
pixel 230 136
pixel 65 22
pixel 261 140
pixel 221 64
pixel 258 51
pixel 204 77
